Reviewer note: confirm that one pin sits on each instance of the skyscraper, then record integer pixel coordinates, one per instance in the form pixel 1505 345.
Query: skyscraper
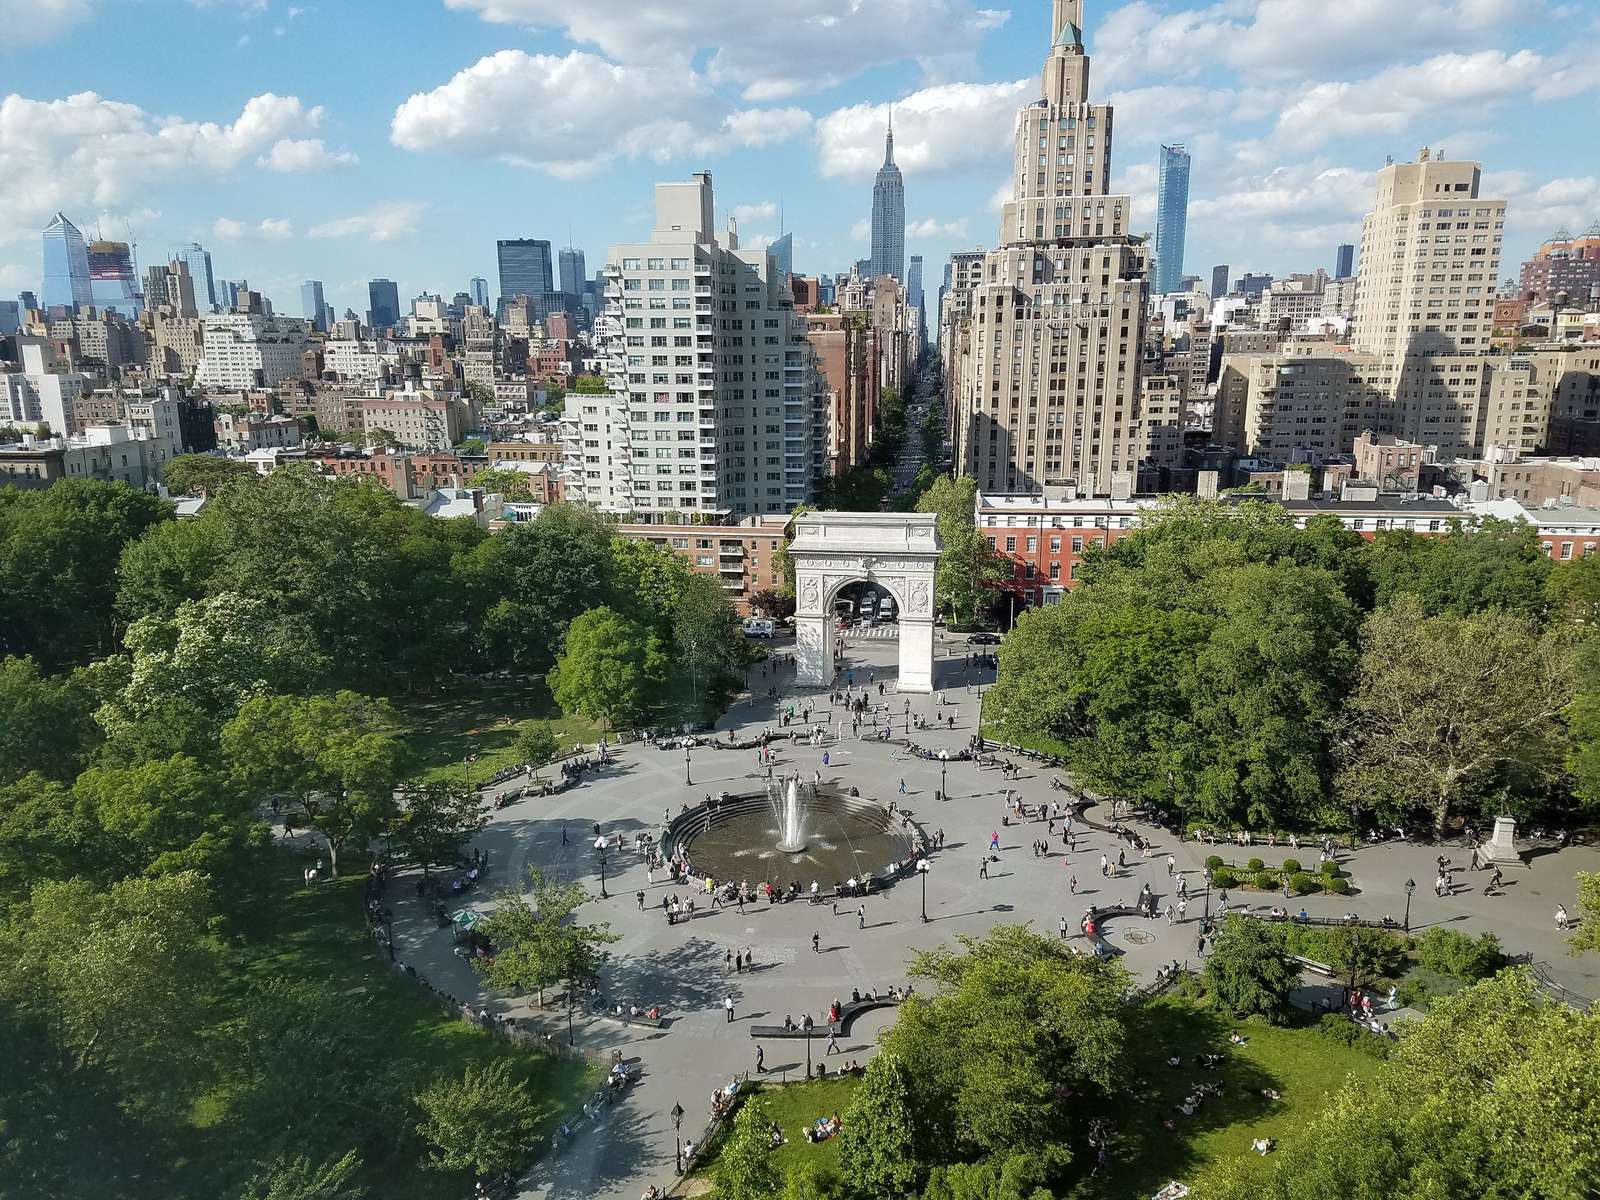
pixel 198 259
pixel 914 282
pixel 889 215
pixel 479 289
pixel 112 282
pixel 312 303
pixel 66 265
pixel 383 296
pixel 783 251
pixel 572 271
pixel 1344 261
pixel 524 268
pixel 1172 217
pixel 1219 281
pixel 1066 289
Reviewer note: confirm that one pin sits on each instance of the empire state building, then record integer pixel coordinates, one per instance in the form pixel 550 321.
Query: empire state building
pixel 889 216
pixel 1045 370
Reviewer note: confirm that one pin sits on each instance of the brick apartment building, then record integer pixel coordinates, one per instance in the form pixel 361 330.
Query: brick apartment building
pixel 742 555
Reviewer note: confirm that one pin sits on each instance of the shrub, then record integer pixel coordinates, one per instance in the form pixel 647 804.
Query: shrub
pixel 1267 881
pixel 1338 1028
pixel 1292 866
pixel 1329 867
pixel 1255 864
pixel 1338 886
pixel 1458 956
pixel 1223 877
pixel 1413 992
pixel 1304 884
pixel 1214 861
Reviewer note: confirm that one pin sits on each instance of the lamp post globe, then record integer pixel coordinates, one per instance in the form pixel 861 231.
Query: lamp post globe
pixel 677 1135
pixel 1411 886
pixel 922 870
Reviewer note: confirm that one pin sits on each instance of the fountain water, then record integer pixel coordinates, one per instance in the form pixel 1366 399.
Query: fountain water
pixel 790 813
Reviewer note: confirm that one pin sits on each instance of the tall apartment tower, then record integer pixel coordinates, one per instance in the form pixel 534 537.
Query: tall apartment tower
pixel 66 265
pixel 1344 261
pixel 889 215
pixel 478 289
pixel 711 379
pixel 1219 281
pixel 525 268
pixel 1424 305
pixel 1172 218
pixel 1046 366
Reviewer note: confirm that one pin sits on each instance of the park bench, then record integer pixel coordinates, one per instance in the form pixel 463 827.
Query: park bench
pixel 847 1013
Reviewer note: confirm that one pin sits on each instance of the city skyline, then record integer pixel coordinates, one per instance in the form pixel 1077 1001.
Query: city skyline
pixel 302 167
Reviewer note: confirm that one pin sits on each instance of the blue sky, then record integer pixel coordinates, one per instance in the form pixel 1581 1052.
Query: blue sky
pixel 349 140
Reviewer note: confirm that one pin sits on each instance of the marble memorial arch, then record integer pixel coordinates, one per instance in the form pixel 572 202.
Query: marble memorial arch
pixel 896 551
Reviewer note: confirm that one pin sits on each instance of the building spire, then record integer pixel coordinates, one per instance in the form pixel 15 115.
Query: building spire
pixel 888 141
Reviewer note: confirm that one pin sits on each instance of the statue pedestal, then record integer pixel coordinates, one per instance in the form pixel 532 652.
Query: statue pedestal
pixel 1500 847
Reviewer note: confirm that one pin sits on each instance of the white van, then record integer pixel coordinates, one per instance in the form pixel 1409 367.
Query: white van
pixel 759 627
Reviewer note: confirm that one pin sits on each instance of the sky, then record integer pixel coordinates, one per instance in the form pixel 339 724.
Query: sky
pixel 344 140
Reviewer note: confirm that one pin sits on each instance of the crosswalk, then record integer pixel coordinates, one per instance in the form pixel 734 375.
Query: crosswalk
pixel 861 632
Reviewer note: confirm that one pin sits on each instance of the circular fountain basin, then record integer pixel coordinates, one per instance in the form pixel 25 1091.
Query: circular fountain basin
pixel 845 837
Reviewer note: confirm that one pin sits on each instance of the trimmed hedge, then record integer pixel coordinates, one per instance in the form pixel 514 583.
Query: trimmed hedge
pixel 1292 865
pixel 1304 884
pixel 1255 864
pixel 1214 861
pixel 1265 880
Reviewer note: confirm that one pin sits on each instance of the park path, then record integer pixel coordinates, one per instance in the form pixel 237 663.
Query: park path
pixel 682 968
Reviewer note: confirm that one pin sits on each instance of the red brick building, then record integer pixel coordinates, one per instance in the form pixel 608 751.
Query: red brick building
pixel 743 556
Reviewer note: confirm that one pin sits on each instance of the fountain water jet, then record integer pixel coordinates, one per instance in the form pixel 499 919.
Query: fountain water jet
pixel 787 808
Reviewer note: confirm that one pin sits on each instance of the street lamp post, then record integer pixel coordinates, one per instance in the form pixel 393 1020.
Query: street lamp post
pixel 604 895
pixel 943 787
pixel 922 869
pixel 677 1135
pixel 1411 886
pixel 808 1044
pixel 687 781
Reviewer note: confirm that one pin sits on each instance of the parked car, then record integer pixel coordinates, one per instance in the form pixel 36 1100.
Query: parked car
pixel 759 627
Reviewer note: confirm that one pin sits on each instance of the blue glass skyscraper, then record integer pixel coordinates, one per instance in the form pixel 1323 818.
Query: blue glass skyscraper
pixel 66 265
pixel 479 289
pixel 525 269
pixel 312 304
pixel 383 297
pixel 1172 218
pixel 782 251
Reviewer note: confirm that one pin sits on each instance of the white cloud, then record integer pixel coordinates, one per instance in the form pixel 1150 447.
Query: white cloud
pixel 1392 101
pixel 1536 210
pixel 572 115
pixel 770 51
pixel 86 150
pixel 949 127
pixel 1290 39
pixel 861 230
pixel 385 222
pixel 34 22
pixel 764 211
pixel 303 154
pixel 931 228
pixel 15 276
pixel 269 228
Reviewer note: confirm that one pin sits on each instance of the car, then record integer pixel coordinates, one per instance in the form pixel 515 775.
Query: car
pixel 984 639
pixel 759 627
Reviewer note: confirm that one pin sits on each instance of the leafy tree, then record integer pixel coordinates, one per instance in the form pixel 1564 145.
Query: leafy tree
pixel 484 1122
pixel 507 481
pixel 1451 952
pixel 968 564
pixel 1573 589
pixel 745 1170
pixel 1493 1093
pixel 49 721
pixel 1445 706
pixel 647 581
pixel 1059 1017
pixel 475 446
pixel 1496 564
pixel 300 1179
pixel 164 816
pixel 783 561
pixel 591 385
pixel 45 834
pixel 1248 972
pixel 116 975
pixel 1020 1175
pixel 531 580
pixel 610 669
pixel 1587 936
pixel 536 744
pixel 381 439
pixel 877 1145
pixel 770 602
pixel 59 548
pixel 171 563
pixel 339 758
pixel 538 945
pixel 436 822
pixel 204 474
pixel 706 633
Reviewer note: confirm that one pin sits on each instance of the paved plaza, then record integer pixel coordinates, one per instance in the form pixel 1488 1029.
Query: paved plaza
pixel 683 968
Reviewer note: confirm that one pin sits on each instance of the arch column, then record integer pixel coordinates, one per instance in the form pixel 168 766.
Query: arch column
pixel 897 551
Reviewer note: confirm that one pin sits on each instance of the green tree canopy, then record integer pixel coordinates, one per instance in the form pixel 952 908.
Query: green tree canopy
pixel 878 1141
pixel 49 721
pixel 338 758
pixel 539 943
pixel 1496 564
pixel 205 474
pixel 436 821
pixel 1247 971
pixel 507 481
pixel 968 564
pixel 611 668
pixel 1447 707
pixel 745 1170
pixel 165 816
pixel 536 744
pixel 707 635
pixel 485 1121
pixel 298 1178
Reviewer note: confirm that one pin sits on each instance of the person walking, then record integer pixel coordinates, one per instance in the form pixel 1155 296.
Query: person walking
pixel 640 897
pixel 833 1044
pixel 994 840
pixel 727 962
pixel 1171 912
pixel 1183 907
pixel 761 1061
pixel 1172 865
pixel 902 787
pixel 861 916
pixel 983 868
pixel 1072 885
pixel 1105 866
pixel 1063 927
pixel 727 1006
pixel 816 943
pixel 1562 920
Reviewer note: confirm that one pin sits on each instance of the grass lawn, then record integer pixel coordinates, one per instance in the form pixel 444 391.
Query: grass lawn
pixel 795 1106
pixel 281 931
pixel 1300 1064
pixel 482 717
